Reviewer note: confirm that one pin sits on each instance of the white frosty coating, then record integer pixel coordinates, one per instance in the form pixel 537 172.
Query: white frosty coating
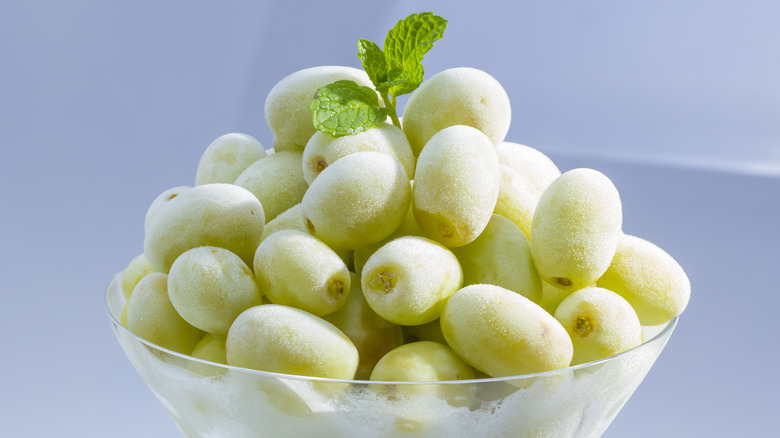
pixel 323 149
pixel 456 185
pixel 210 287
pixel 226 157
pixel 296 269
pixel 151 316
pixel 223 215
pixel 457 96
pixel 209 401
pixel 358 200
pixel 501 256
pixel 161 201
pixel 502 333
pixel 287 105
pixel 599 322
pixel 276 180
pixel 648 278
pixel 423 274
pixel 576 228
pixel 525 174
pixel 283 339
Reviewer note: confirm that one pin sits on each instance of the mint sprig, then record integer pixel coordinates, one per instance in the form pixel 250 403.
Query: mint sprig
pixel 346 108
pixel 395 70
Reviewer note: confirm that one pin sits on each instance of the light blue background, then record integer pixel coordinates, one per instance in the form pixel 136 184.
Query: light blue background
pixel 105 104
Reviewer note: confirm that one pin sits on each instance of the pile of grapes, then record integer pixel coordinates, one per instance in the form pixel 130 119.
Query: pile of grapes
pixel 371 247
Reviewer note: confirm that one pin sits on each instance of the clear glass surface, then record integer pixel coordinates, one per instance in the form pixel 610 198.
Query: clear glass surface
pixel 210 400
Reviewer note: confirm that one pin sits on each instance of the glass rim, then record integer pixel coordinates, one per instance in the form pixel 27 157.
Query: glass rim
pixel 664 332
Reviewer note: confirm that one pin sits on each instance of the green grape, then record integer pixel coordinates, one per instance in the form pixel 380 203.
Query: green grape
pixel 408 280
pixel 576 228
pixel 502 333
pixel 161 201
pixel 408 227
pixel 123 314
pixel 430 331
pixel 525 174
pixel 457 96
pixel 226 157
pixel 210 287
pixel 151 316
pixel 424 361
pixel 323 149
pixel 649 278
pixel 222 215
pixel 456 185
pixel 135 270
pixel 296 269
pixel 372 335
pixel 552 297
pixel 358 200
pixel 501 256
pixel 282 339
pixel 276 180
pixel 292 219
pixel 287 105
pixel 600 323
pixel 211 348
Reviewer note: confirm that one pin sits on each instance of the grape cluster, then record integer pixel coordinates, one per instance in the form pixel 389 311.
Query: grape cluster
pixel 436 251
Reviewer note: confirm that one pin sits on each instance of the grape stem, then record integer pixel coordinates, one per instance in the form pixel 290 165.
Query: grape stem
pixel 390 104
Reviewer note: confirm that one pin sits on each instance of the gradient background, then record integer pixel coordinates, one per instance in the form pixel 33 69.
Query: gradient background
pixel 105 104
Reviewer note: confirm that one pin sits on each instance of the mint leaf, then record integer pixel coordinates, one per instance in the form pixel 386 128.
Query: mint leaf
pixel 346 108
pixel 404 47
pixel 373 61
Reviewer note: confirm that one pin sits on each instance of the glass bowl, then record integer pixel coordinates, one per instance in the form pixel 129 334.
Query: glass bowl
pixel 212 400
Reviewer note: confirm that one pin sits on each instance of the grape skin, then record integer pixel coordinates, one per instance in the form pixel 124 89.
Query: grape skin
pixel 408 280
pixel 210 287
pixel 358 200
pixel 222 215
pixel 151 316
pixel 576 228
pixel 502 333
pixel 226 157
pixel 282 339
pixel 161 201
pixel 457 96
pixel 456 185
pixel 133 273
pixel 296 269
pixel 276 180
pixel 600 323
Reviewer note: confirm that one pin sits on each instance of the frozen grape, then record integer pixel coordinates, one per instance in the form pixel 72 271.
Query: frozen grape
pixel 287 105
pixel 372 335
pixel 424 361
pixel 649 278
pixel 133 273
pixel 222 215
pixel 525 174
pixel 323 149
pixel 162 200
pixel 358 200
pixel 501 256
pixel 151 316
pixel 457 96
pixel 430 331
pixel 276 180
pixel 600 324
pixel 211 348
pixel 210 287
pixel 408 280
pixel 552 297
pixel 226 157
pixel 408 227
pixel 296 269
pixel 503 333
pixel 282 339
pixel 456 185
pixel 575 229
